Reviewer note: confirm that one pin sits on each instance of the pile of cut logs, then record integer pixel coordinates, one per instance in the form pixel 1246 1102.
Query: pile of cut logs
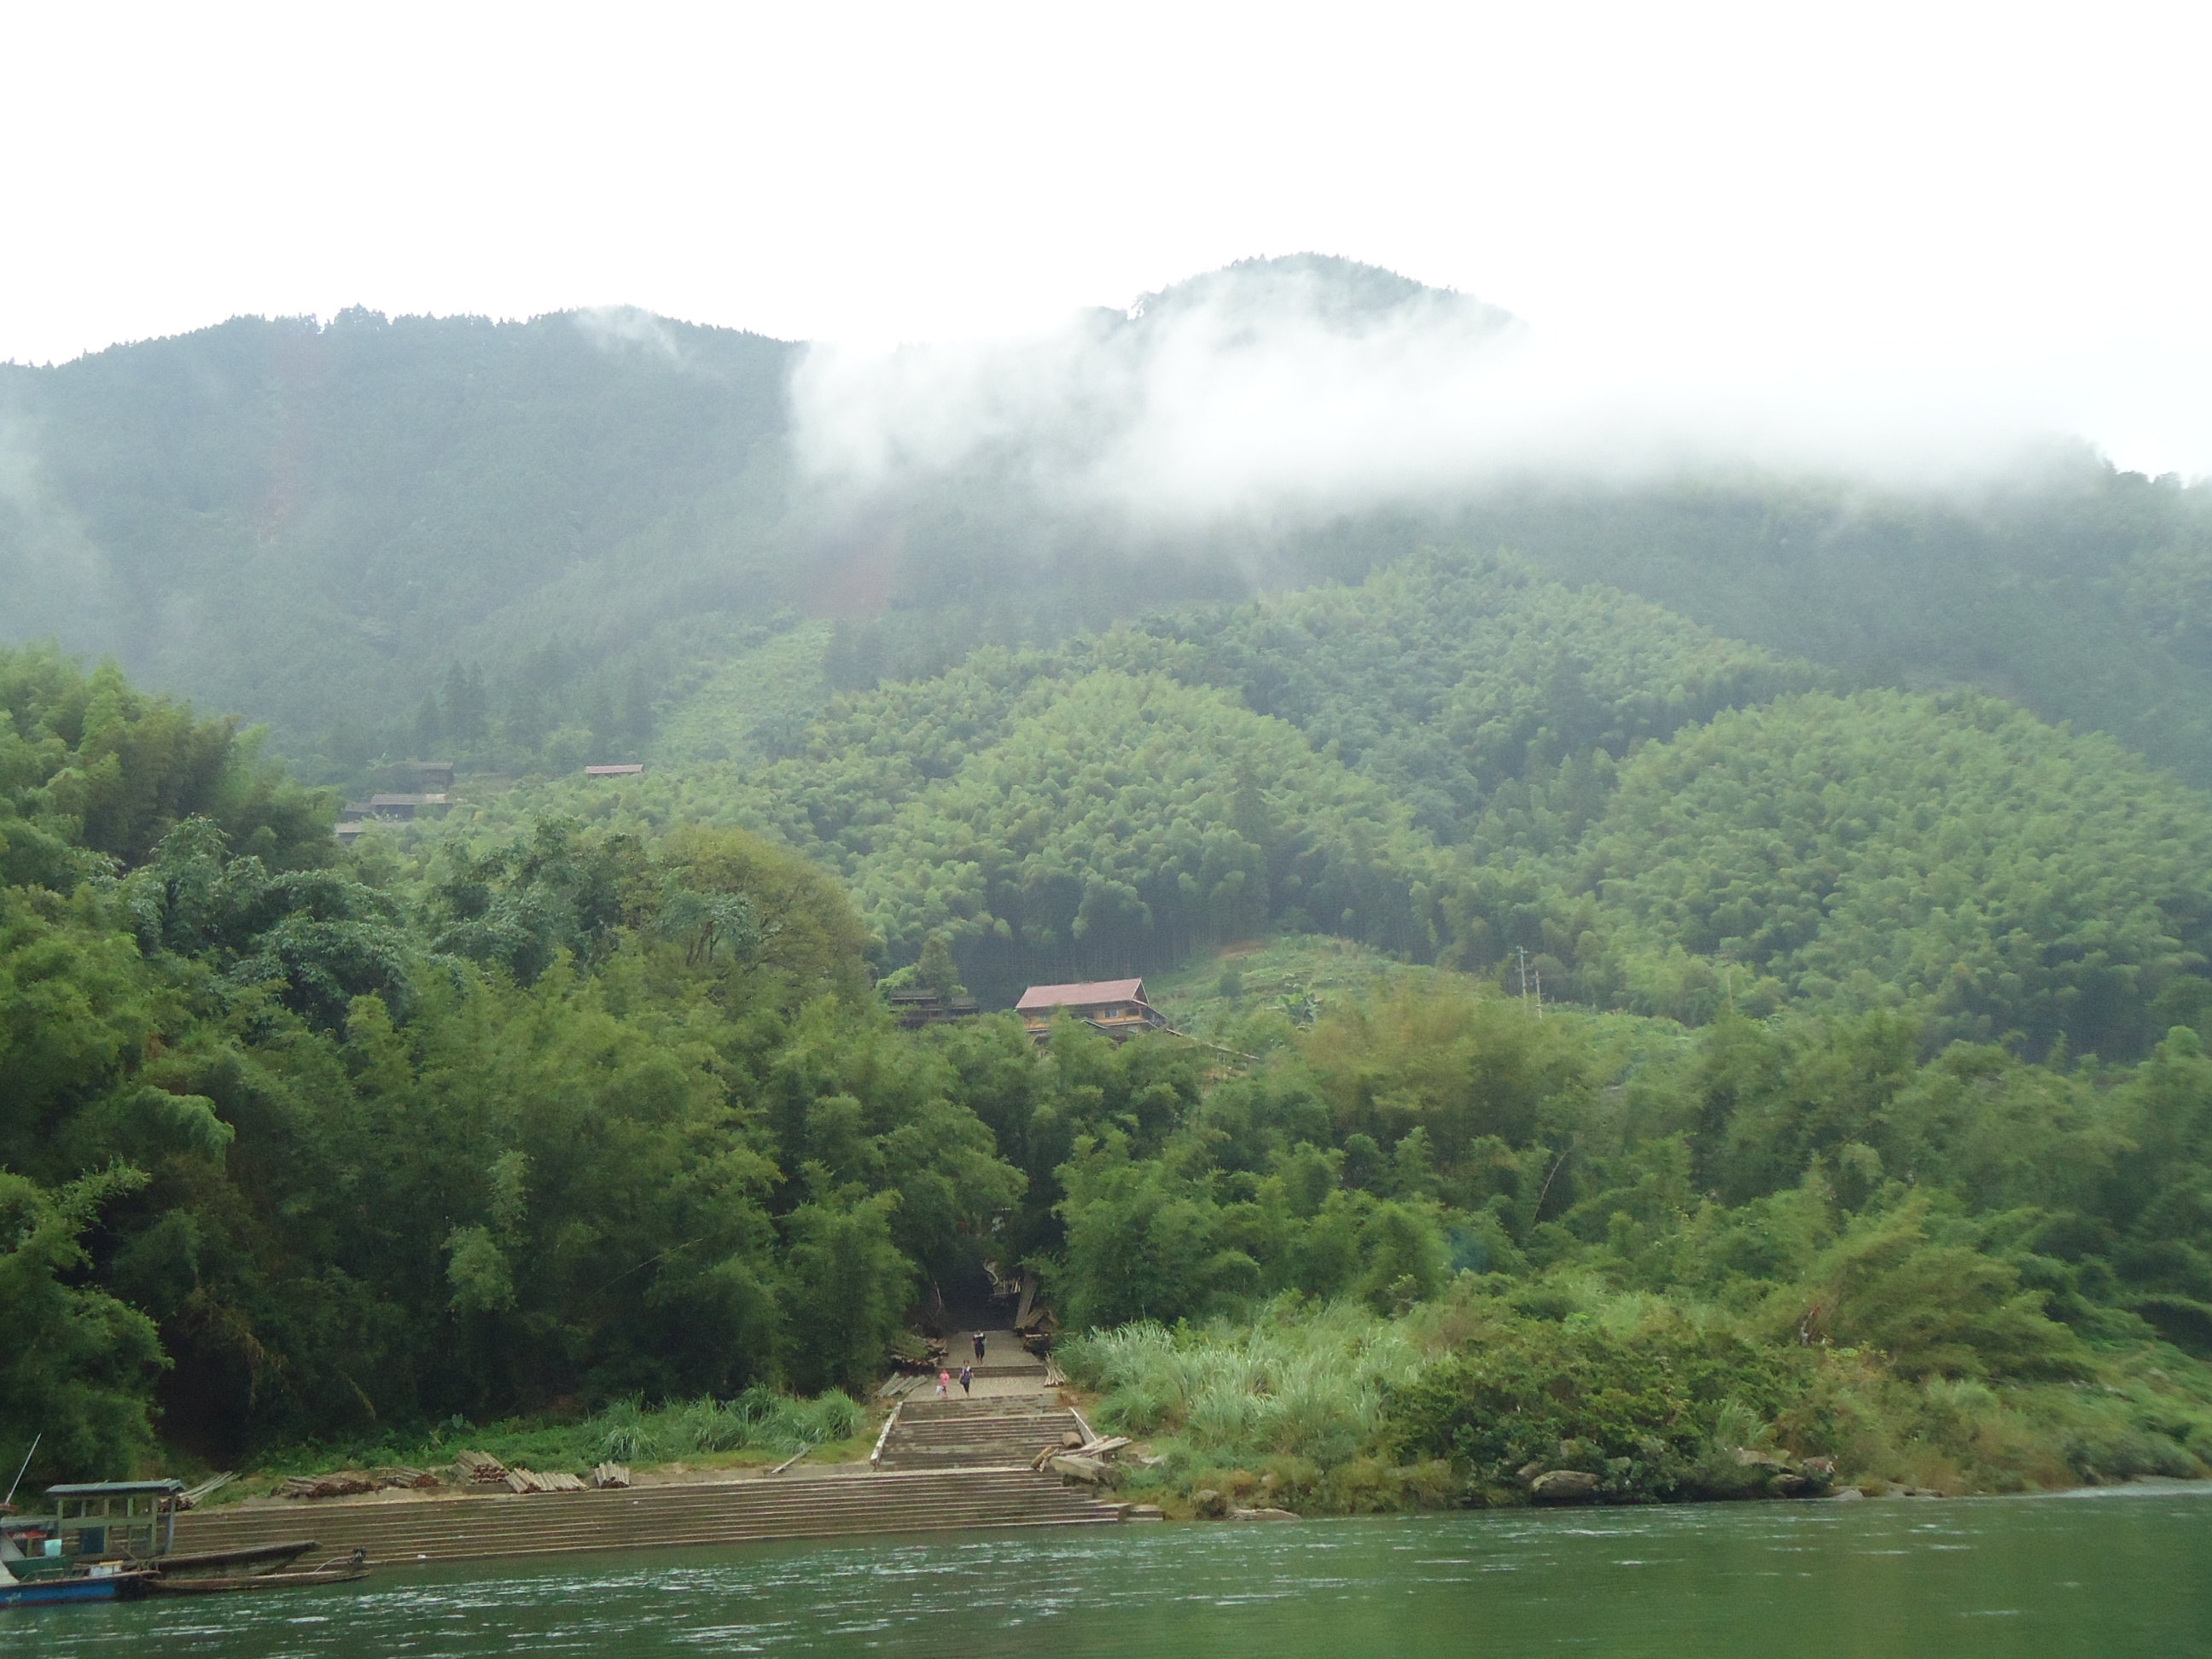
pixel 349 1483
pixel 470 1468
pixel 521 1480
pixel 1075 1460
pixel 477 1469
pixel 346 1483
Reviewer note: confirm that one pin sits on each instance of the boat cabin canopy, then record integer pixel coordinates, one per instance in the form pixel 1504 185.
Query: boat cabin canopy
pixel 117 1518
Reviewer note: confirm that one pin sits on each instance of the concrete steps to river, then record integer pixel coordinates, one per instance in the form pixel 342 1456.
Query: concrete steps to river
pixel 986 1433
pixel 471 1528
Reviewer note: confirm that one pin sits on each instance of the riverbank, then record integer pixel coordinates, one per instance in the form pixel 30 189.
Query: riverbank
pixel 730 1508
pixel 683 1440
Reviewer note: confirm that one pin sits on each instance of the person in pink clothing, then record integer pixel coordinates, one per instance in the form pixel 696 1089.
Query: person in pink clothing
pixel 943 1384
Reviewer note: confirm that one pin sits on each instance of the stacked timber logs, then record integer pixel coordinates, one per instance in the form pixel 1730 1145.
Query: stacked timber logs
pixel 192 1496
pixel 470 1469
pixel 1078 1461
pixel 527 1481
pixel 346 1483
pixel 477 1469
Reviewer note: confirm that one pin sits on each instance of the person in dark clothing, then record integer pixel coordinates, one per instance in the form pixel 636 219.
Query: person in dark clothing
pixel 967 1378
pixel 978 1345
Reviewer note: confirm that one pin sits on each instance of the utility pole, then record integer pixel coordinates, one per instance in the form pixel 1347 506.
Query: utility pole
pixel 1525 983
pixel 21 1473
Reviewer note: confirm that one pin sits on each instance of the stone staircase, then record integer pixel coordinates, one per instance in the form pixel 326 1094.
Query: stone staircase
pixel 928 1497
pixel 996 1432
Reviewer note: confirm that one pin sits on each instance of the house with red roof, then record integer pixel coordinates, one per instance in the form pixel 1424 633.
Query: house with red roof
pixel 1115 1006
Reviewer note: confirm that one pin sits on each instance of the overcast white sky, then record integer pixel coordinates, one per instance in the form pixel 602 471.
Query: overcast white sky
pixel 2016 196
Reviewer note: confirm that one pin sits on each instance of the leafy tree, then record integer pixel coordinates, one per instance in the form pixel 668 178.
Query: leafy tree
pixel 74 1362
pixel 849 1286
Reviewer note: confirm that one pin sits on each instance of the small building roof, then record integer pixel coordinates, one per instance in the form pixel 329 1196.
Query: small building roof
pixel 1081 996
pixel 626 769
pixel 375 801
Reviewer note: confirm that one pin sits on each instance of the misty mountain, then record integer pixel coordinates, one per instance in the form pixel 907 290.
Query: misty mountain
pixel 352 530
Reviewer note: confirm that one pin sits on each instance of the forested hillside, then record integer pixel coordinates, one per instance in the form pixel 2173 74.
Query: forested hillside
pixel 313 524
pixel 301 1144
pixel 519 544
pixel 1461 762
pixel 2072 589
pixel 306 1150
pixel 1765 1029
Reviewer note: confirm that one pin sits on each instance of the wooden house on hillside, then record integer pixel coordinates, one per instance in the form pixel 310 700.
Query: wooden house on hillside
pixel 917 1005
pixel 1115 1006
pixel 391 809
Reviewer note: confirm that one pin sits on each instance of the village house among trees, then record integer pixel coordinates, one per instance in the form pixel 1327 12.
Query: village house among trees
pixel 1115 1006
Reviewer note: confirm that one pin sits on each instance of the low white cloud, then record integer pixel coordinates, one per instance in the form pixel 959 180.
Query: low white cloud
pixel 1314 384
pixel 626 328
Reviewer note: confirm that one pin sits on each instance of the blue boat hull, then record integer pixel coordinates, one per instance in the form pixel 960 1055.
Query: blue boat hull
pixel 54 1590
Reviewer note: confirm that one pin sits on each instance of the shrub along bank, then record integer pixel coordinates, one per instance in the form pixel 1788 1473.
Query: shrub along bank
pixel 1471 1400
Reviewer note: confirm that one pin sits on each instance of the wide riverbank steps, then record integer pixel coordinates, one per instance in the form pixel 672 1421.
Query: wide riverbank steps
pixel 943 1465
pixel 494 1526
pixel 1006 1415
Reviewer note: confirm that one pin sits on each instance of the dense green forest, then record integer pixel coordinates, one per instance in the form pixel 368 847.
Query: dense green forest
pixel 1462 762
pixel 573 1110
pixel 1657 992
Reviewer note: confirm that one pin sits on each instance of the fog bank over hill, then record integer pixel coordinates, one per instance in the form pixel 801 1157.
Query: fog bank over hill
pixel 1311 384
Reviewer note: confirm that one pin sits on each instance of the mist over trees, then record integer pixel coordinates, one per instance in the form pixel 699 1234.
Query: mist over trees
pixel 513 543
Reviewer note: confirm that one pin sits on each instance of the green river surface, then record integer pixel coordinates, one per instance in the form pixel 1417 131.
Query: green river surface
pixel 2116 1574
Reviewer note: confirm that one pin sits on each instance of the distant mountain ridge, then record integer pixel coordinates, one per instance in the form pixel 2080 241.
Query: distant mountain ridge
pixel 341 529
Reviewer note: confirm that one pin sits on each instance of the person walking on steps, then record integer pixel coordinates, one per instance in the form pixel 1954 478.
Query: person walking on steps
pixel 966 1379
pixel 978 1345
pixel 943 1384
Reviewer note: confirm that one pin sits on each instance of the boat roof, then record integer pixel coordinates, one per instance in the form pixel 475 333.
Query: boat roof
pixel 115 1488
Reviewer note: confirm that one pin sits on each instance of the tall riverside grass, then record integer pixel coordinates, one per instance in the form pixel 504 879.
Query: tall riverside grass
pixel 628 1432
pixel 1306 1384
pixel 624 1431
pixel 1339 1409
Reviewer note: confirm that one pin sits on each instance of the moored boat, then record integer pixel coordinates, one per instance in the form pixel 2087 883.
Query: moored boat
pixel 260 1558
pixel 71 1586
pixel 115 1540
pixel 344 1571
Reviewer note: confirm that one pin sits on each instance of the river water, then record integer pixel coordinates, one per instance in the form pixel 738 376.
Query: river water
pixel 2114 1575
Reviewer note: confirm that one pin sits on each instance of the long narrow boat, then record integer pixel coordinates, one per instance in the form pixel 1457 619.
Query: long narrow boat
pixel 259 1558
pixel 342 1571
